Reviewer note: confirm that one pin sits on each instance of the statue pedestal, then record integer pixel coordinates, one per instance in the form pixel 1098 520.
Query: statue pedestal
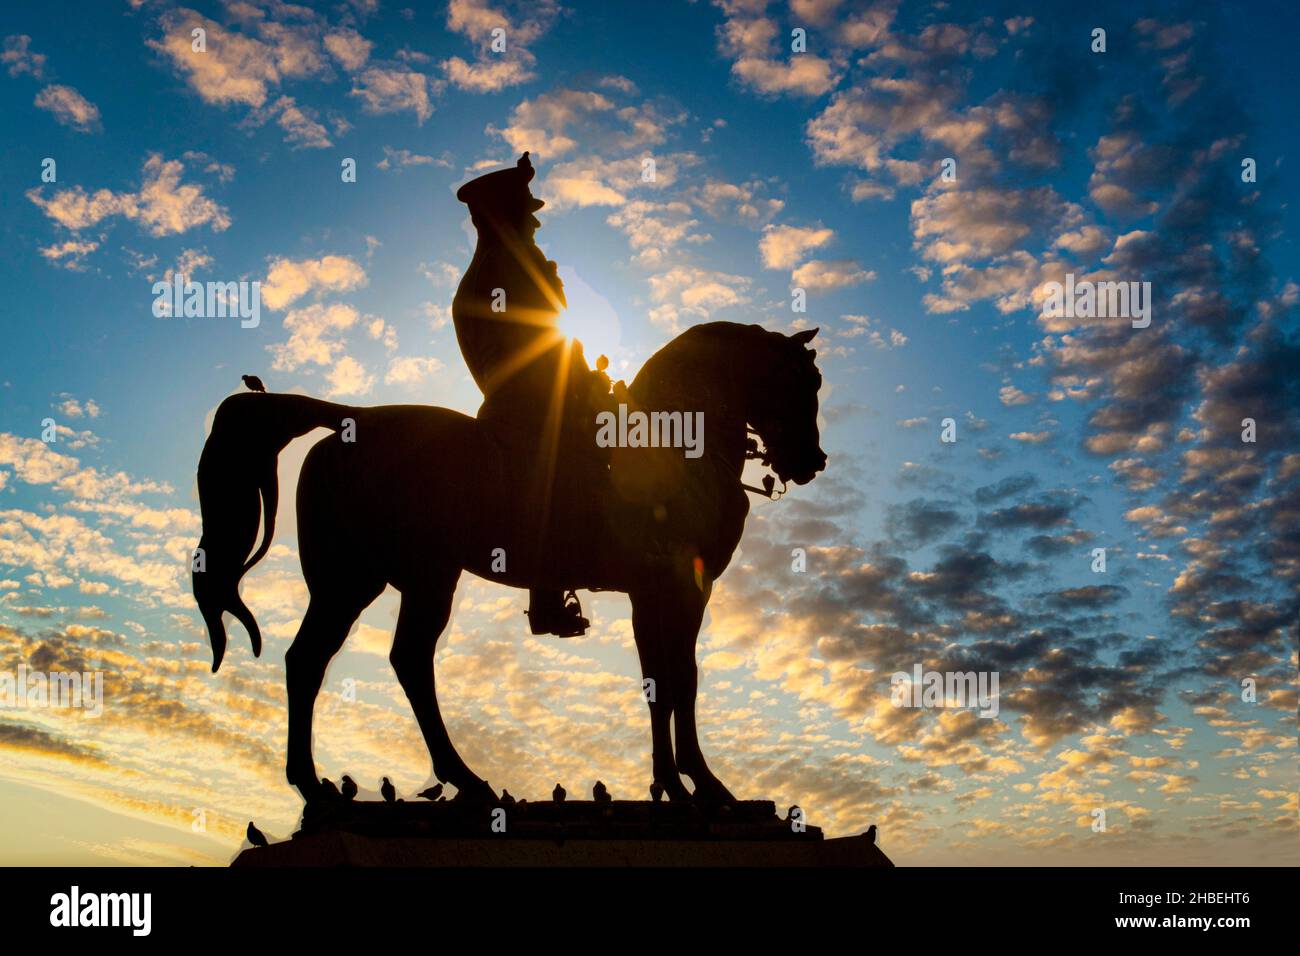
pixel 577 833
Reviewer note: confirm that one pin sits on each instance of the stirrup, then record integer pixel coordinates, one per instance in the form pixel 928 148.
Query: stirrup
pixel 568 622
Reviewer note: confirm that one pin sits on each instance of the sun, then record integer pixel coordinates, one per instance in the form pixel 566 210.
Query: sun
pixel 591 319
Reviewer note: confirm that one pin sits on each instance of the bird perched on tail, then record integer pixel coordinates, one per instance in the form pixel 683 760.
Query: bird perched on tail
pixel 328 789
pixel 871 833
pixel 388 791
pixel 349 788
pixel 558 794
pixel 254 383
pixel 431 793
pixel 255 836
pixel 600 792
pixel 656 792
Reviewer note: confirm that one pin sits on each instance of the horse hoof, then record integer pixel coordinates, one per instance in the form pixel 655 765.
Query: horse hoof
pixel 714 794
pixel 478 792
pixel 678 794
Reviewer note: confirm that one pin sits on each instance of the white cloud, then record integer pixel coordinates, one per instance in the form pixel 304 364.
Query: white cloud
pixel 517 24
pixel 410 370
pixel 783 246
pixel 70 254
pixel 394 89
pixel 822 276
pixel 237 67
pixel 288 280
pixel 18 57
pixel 301 129
pixel 350 48
pixel 163 206
pixel 69 107
pixel 691 292
pixel 348 377
pixel 315 336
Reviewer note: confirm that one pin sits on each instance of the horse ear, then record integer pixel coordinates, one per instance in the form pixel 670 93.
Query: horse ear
pixel 804 337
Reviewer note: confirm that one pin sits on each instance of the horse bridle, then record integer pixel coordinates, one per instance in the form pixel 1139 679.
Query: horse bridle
pixel 756 452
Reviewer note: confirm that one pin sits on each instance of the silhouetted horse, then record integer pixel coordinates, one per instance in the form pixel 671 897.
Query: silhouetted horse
pixel 421 494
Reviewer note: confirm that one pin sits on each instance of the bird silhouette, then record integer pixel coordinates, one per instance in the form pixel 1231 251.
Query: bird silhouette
pixel 871 833
pixel 255 836
pixel 254 383
pixel 656 792
pixel 599 793
pixel 431 793
pixel 506 798
pixel 349 788
pixel 558 794
pixel 388 791
pixel 328 789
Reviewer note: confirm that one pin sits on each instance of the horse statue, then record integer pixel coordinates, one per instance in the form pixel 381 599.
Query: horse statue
pixel 413 496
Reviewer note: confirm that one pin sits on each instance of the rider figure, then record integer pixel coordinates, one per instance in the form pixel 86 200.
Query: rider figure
pixel 506 312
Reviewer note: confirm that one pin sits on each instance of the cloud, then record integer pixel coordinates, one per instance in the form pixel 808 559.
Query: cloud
pixel 301 129
pixel 783 246
pixel 556 123
pixel 238 67
pixel 163 206
pixel 957 225
pixel 516 25
pixel 401 158
pixel 315 337
pixel 288 280
pixel 805 74
pixel 394 89
pixel 348 378
pixel 819 276
pixel 655 229
pixel 411 371
pixel 350 48
pixel 69 107
pixel 748 38
pixel 18 57
pixel 691 292
pixel 70 254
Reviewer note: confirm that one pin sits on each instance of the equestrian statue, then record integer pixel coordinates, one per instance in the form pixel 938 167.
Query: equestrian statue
pixel 413 496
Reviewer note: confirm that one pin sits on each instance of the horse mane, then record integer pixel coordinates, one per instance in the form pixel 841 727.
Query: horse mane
pixel 683 371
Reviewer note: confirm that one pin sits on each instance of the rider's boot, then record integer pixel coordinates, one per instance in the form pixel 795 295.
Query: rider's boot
pixel 556 612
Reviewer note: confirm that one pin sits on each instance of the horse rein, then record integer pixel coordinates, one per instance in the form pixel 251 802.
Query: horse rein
pixel 753 452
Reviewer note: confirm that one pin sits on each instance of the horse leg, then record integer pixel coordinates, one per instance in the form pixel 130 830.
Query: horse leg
pixel 690 759
pixel 683 611
pixel 324 629
pixel 651 646
pixel 426 608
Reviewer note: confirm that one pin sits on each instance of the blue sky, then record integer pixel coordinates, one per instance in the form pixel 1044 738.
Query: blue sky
pixel 774 170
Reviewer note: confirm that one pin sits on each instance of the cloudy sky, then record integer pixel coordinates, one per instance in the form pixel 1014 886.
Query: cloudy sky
pixel 820 170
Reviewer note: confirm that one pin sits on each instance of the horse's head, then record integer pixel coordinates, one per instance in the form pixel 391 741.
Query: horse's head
pixel 781 405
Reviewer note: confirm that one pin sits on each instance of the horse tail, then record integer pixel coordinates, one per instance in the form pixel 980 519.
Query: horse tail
pixel 238 490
